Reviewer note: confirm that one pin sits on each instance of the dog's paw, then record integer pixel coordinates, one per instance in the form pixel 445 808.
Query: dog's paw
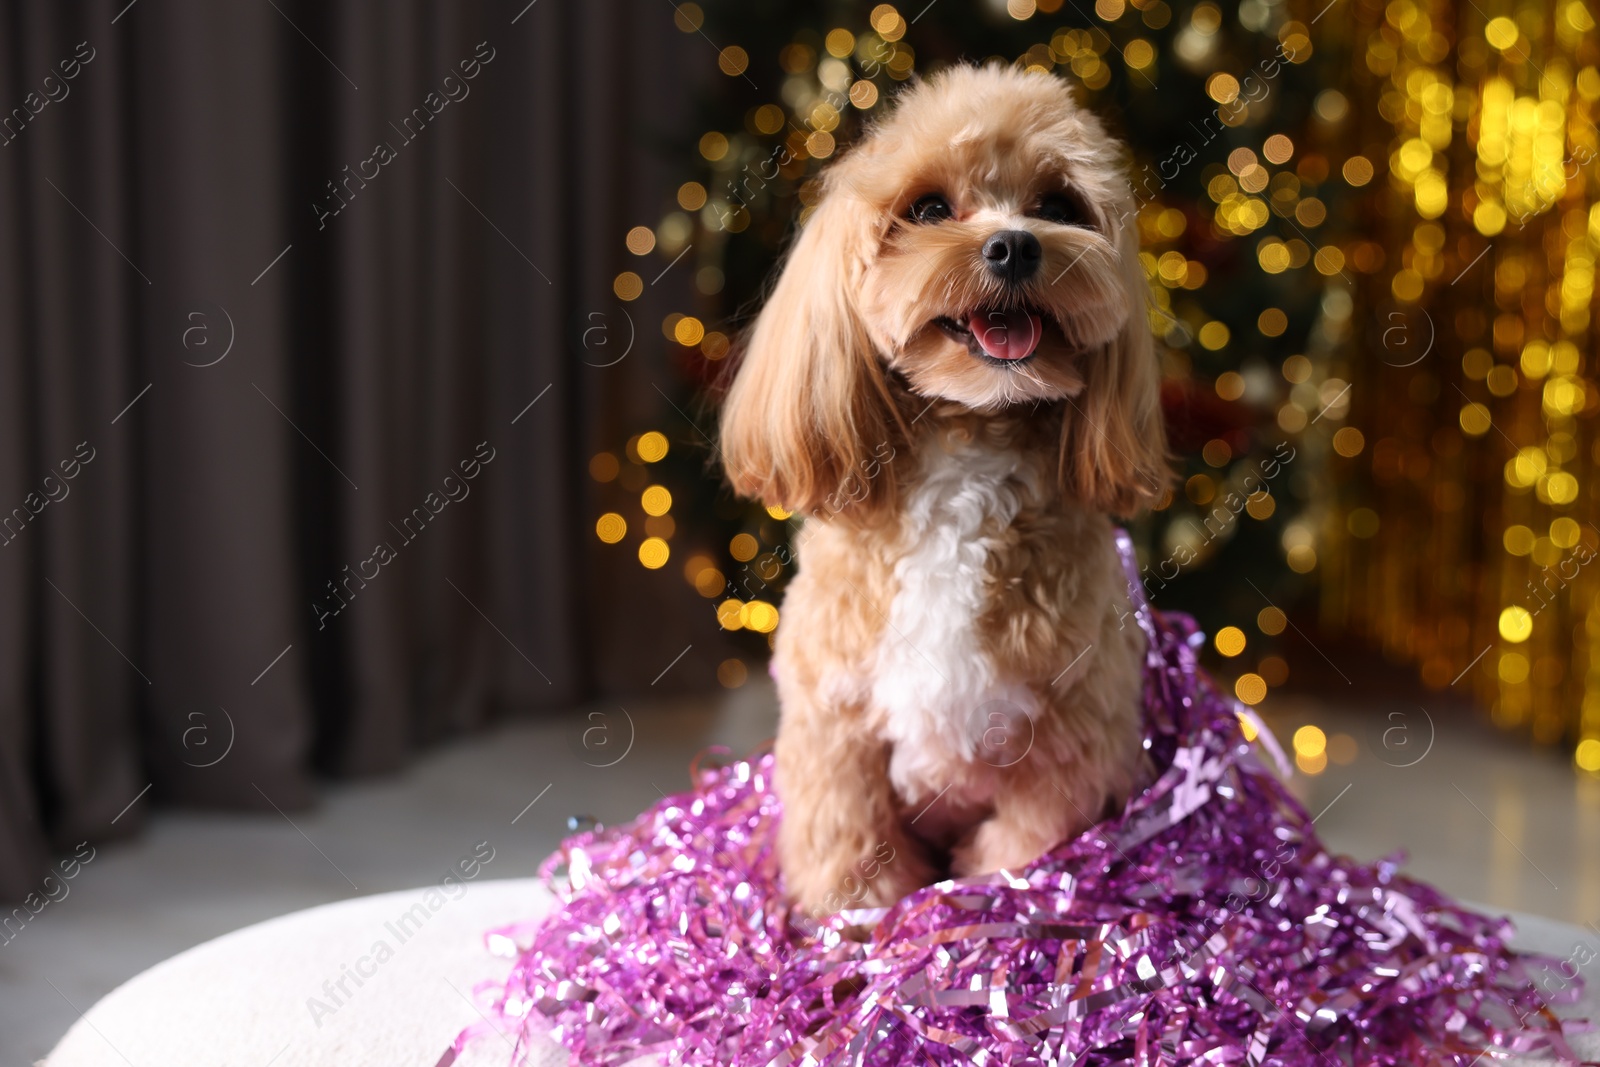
pixel 995 846
pixel 888 871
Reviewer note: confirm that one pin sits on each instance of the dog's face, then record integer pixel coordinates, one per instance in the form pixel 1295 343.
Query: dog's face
pixel 991 270
pixel 979 241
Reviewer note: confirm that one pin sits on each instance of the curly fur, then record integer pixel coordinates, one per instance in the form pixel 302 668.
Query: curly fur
pixel 958 673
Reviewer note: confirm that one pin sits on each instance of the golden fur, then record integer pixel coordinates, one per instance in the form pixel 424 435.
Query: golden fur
pixel 854 406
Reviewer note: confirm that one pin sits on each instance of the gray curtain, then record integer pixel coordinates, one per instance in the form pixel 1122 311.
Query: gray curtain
pixel 231 368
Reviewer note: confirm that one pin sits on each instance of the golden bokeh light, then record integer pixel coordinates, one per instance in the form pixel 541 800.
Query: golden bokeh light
pixel 743 547
pixel 1230 641
pixel 1348 441
pixel 1271 621
pixel 688 17
pixel 641 240
pixel 691 196
pixel 1587 755
pixel 884 19
pixel 1222 87
pixel 1516 624
pixel 1312 765
pixel 1329 260
pixel 688 331
pixel 627 285
pixel 656 500
pixel 1301 557
pixel 1250 688
pixel 1216 452
pixel 603 467
pixel 1565 532
pixel 768 118
pixel 733 61
pixel 715 345
pixel 732 673
pixel 611 527
pixel 1357 170
pixel 1310 740
pixel 1501 33
pixel 1475 420
pixel 713 146
pixel 710 582
pixel 760 617
pixel 1518 540
pixel 652 447
pixel 1213 336
pixel 864 95
pixel 1310 212
pixel 654 553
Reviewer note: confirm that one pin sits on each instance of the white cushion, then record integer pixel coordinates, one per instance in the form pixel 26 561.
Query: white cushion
pixel 269 996
pixel 258 996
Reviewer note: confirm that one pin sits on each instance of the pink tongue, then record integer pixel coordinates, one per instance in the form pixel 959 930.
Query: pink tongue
pixel 1006 334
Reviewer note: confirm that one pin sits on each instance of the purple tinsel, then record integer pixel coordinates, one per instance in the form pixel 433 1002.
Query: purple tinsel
pixel 1206 924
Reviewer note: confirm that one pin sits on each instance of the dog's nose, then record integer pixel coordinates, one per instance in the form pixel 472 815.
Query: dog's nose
pixel 1012 255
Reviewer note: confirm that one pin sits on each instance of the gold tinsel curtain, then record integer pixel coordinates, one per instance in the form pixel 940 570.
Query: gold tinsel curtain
pixel 1462 537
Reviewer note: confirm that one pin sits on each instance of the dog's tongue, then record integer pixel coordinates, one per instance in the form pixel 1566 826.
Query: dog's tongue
pixel 1006 334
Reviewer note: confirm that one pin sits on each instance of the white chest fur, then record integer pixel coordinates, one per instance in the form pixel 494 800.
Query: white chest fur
pixel 940 698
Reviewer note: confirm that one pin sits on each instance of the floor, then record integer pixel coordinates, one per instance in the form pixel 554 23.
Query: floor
pixel 1485 818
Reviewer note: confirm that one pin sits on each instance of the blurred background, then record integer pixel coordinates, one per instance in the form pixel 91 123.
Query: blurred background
pixel 359 371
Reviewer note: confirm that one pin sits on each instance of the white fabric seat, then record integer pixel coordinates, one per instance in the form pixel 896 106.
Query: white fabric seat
pixel 271 993
pixel 284 993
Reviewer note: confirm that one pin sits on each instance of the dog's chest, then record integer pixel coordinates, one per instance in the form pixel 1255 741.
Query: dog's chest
pixel 940 698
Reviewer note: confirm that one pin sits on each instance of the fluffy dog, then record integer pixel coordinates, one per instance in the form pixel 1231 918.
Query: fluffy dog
pixel 954 379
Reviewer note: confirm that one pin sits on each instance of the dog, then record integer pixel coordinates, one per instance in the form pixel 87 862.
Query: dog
pixel 953 381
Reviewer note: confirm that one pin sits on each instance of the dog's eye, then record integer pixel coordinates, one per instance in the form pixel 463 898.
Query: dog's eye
pixel 1063 210
pixel 931 208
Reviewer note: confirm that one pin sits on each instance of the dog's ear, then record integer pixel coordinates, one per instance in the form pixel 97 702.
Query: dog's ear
pixel 1114 441
pixel 808 418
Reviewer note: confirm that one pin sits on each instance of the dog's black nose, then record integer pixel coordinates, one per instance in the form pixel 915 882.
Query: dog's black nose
pixel 1012 255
